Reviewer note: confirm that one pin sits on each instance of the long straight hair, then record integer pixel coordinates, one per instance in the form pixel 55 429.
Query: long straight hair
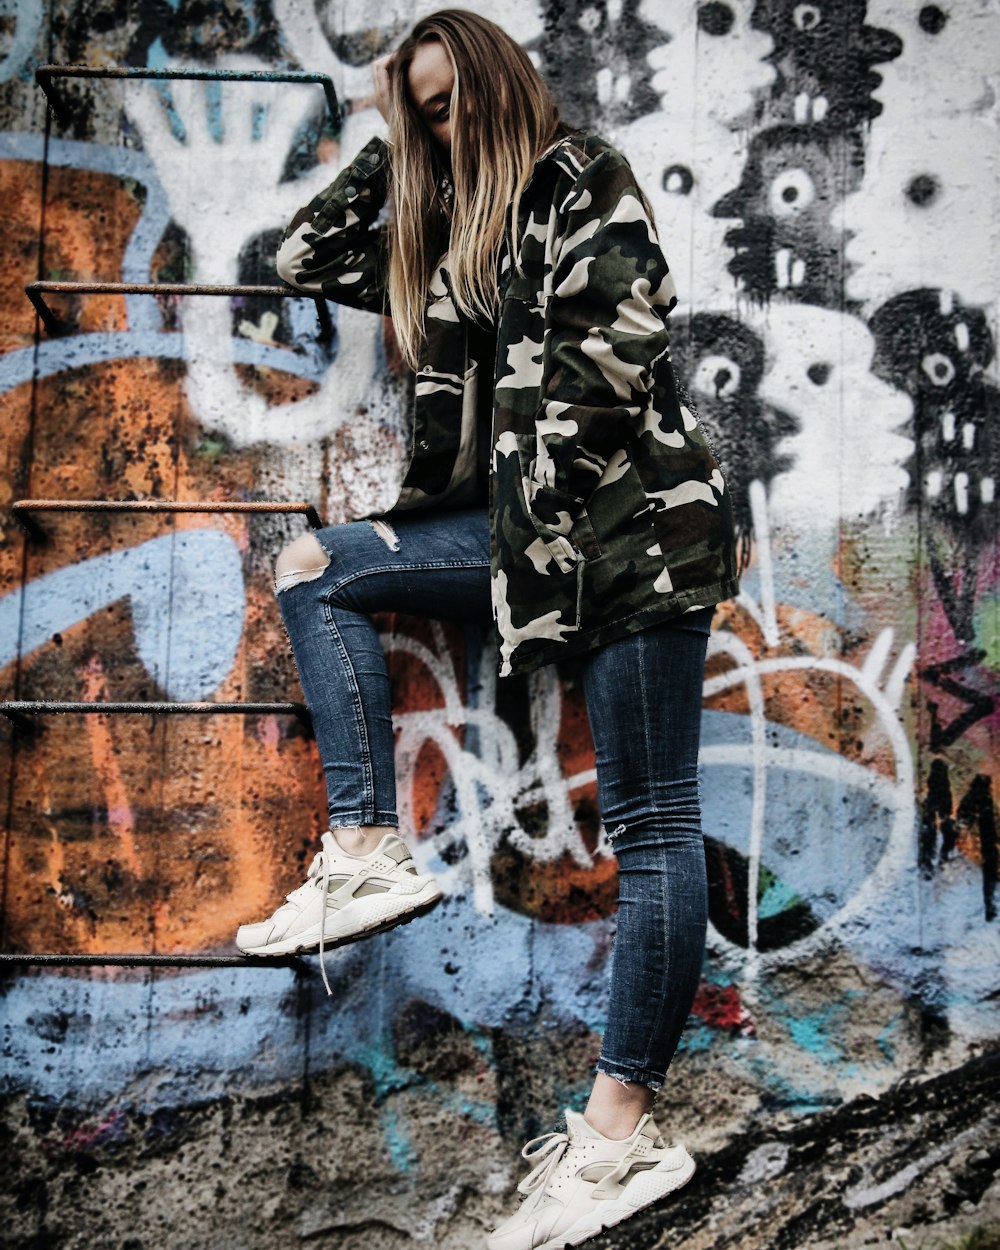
pixel 503 118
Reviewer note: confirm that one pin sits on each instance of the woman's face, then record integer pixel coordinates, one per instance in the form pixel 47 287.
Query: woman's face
pixel 431 79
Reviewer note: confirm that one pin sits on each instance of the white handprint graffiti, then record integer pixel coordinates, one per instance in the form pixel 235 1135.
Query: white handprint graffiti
pixel 220 151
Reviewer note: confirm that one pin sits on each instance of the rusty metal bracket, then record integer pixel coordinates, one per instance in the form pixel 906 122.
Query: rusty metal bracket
pixel 36 291
pixel 22 509
pixel 44 75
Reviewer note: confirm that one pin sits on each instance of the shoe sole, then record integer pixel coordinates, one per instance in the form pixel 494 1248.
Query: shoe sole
pixel 642 1191
pixel 308 943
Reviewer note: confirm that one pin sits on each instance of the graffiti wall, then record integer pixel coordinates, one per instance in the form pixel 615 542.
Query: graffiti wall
pixel 825 183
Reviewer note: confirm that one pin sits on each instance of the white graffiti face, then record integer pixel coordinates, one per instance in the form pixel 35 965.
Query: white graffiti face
pixel 683 174
pixel 847 455
pixel 962 33
pixel 687 154
pixel 926 213
pixel 713 56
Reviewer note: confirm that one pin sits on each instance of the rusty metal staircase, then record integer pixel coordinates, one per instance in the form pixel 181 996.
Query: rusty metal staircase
pixel 21 713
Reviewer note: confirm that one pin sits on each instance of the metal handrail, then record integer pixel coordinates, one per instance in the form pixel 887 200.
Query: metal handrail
pixel 150 961
pixel 14 709
pixel 22 509
pixel 56 327
pixel 45 73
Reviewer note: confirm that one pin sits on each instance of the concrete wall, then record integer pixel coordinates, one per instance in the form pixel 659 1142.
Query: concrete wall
pixel 825 181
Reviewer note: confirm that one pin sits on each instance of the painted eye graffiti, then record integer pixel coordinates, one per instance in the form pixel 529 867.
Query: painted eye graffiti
pixel 932 19
pixel 717 377
pixel 678 180
pixel 715 18
pixel 939 368
pixel 923 190
pixel 590 20
pixel 807 16
pixel 792 191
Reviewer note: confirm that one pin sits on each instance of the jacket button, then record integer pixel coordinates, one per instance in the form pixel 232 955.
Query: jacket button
pixel 423 444
pixel 350 190
pixel 427 369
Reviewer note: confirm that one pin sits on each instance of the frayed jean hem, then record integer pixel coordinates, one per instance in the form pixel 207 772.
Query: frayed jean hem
pixel 628 1074
pixel 350 820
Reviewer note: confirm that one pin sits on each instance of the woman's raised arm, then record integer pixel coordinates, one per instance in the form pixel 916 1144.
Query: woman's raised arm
pixel 336 245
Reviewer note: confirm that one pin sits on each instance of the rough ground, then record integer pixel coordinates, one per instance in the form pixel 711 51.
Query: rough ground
pixel 916 1168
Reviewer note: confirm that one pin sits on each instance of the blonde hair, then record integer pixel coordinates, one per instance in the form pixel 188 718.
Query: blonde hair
pixel 502 119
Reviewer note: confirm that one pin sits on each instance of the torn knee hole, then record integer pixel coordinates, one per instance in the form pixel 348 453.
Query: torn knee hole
pixel 301 561
pixel 386 533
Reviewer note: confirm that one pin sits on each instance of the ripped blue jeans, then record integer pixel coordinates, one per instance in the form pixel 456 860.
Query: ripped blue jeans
pixel 643 695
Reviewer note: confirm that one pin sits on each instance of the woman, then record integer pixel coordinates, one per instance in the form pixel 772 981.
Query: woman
pixel 554 471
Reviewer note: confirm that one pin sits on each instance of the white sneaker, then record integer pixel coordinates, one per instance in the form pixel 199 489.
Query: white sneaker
pixel 345 897
pixel 585 1182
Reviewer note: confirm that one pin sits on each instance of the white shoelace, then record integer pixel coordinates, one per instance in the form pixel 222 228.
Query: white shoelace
pixel 548 1151
pixel 319 868
pixel 324 865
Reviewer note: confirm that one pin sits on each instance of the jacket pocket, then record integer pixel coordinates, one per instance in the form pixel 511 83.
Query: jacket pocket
pixel 539 574
pixel 578 542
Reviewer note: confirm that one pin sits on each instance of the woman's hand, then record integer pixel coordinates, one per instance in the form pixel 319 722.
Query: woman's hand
pixel 380 82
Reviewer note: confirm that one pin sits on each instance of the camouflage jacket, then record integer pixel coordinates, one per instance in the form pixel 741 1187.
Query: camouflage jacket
pixel 608 509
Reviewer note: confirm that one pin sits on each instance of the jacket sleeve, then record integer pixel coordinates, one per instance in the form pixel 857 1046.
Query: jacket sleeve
pixel 336 245
pixel 611 293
